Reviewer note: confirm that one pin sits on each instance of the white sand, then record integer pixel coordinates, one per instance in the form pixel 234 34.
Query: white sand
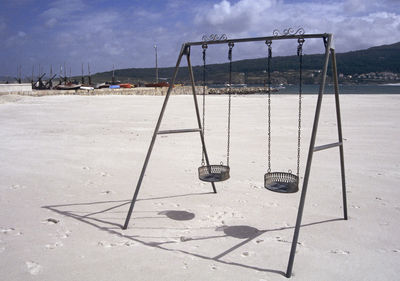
pixel 69 166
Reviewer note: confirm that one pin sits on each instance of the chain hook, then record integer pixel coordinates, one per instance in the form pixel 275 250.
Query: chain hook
pixel 204 46
pixel 269 43
pixel 300 46
pixel 230 44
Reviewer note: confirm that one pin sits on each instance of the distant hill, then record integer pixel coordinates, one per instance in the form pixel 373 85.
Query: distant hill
pixel 376 59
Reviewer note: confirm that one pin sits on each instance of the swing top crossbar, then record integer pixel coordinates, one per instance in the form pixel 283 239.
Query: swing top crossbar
pixel 253 39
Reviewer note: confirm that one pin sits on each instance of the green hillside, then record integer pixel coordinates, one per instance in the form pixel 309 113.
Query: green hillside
pixel 384 58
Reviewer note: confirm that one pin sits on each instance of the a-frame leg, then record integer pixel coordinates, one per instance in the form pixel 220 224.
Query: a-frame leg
pixel 185 50
pixel 340 135
pixel 153 139
pixel 309 160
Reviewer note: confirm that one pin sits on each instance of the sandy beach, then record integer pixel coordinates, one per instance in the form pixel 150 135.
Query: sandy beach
pixel 70 164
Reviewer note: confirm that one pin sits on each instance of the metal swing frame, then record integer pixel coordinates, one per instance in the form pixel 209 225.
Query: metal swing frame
pixel 329 53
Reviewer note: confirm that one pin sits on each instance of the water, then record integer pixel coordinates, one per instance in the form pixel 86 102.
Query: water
pixel 392 89
pixel 344 89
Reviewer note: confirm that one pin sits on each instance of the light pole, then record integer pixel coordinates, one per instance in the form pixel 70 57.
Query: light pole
pixel 155 48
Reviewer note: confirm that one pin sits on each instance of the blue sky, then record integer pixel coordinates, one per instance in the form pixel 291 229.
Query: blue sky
pixel 123 33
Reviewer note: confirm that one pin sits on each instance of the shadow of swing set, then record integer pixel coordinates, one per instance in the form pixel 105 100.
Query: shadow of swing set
pixel 282 182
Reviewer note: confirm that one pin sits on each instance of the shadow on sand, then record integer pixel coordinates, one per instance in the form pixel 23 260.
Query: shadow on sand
pixel 247 233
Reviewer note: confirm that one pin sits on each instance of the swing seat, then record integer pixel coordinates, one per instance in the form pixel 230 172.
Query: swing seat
pixel 214 173
pixel 281 182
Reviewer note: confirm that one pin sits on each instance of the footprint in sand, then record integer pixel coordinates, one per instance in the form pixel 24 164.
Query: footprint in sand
pixel 51 221
pixel 339 252
pixel 213 267
pixel 88 183
pixel 396 251
pixel 383 203
pixel 106 192
pixel 106 244
pixel 255 186
pixel 245 254
pixel 7 230
pixel 273 204
pixel 17 186
pixel 63 234
pixel 33 267
pixel 105 174
pixel 54 245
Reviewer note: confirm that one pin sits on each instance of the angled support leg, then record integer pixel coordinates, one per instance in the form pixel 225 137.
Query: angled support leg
pixel 340 136
pixel 198 114
pixel 146 161
pixel 184 51
pixel 309 160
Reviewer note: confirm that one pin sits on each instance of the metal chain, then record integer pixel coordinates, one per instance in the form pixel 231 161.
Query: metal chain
pixel 231 44
pixel 204 46
pixel 269 43
pixel 300 54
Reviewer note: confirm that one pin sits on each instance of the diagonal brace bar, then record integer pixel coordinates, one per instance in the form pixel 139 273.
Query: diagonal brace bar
pixel 327 146
pixel 165 132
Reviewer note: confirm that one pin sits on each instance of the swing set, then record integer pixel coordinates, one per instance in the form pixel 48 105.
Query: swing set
pixel 278 181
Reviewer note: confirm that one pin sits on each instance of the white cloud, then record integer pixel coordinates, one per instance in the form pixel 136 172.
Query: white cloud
pixel 142 14
pixel 62 10
pixel 355 6
pixel 355 23
pixel 51 22
pixel 236 17
pixel 16 40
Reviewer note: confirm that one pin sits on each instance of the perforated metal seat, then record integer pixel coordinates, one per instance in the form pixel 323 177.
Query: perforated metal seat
pixel 214 173
pixel 281 182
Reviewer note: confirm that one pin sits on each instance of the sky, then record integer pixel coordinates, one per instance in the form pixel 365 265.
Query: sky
pixel 122 33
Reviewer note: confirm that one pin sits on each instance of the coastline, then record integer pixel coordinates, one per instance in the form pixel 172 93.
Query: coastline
pixel 361 89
